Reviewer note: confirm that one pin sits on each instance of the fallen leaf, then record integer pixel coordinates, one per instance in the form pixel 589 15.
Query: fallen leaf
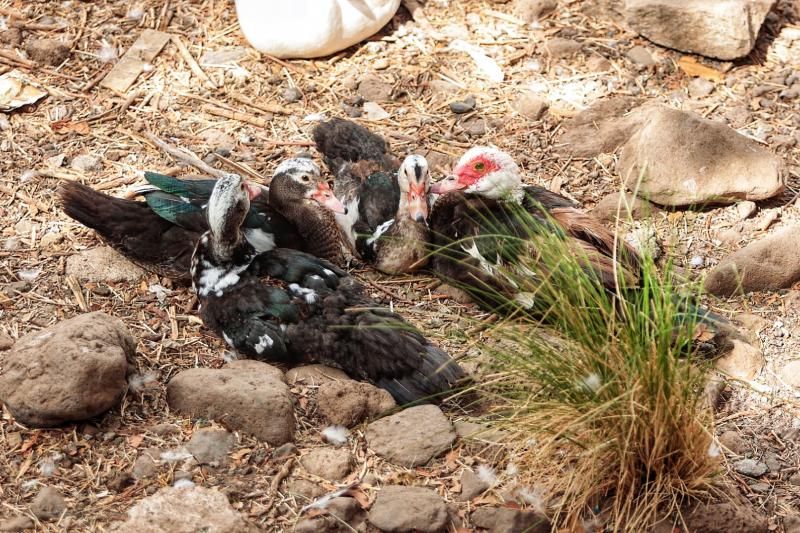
pixel 691 67
pixel 360 496
pixel 68 126
pixel 135 440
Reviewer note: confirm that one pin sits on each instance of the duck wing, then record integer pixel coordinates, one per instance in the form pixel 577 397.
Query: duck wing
pixel 294 307
pixel 133 229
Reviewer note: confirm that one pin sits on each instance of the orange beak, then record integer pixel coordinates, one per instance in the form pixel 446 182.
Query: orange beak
pixel 417 202
pixel 449 184
pixel 323 195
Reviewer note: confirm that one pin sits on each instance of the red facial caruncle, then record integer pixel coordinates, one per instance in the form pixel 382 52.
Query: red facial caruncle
pixel 323 195
pixel 466 174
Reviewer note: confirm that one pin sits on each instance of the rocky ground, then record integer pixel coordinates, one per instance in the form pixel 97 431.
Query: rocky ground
pixel 304 448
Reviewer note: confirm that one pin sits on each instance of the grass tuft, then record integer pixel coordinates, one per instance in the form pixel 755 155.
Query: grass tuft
pixel 600 390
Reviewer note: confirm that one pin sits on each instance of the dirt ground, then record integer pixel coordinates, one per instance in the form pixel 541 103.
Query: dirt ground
pixel 39 144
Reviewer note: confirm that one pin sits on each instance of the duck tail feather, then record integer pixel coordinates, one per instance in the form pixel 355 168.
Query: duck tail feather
pixel 343 141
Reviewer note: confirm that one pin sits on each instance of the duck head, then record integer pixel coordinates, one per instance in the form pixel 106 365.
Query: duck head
pixel 228 207
pixel 298 182
pixel 413 179
pixel 485 171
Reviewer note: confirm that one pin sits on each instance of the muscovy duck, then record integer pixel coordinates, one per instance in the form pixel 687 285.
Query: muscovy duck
pixel 387 201
pixel 160 234
pixel 485 197
pixel 291 306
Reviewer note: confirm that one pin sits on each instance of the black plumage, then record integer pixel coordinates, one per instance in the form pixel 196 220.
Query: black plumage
pixel 386 199
pixel 289 306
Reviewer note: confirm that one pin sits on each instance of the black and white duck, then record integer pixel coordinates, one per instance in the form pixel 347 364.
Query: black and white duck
pixel 285 305
pixel 387 200
pixel 160 234
pixel 484 196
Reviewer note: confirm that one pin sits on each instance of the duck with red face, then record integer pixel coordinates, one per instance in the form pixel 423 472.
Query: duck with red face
pixel 483 197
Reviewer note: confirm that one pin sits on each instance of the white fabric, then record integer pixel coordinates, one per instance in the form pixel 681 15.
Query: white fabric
pixel 311 28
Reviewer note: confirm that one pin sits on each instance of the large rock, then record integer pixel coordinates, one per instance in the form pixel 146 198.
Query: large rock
pixel 768 264
pixel 349 402
pixel 71 371
pixel 211 446
pixel 743 362
pixel 311 28
pixel 332 464
pixel 246 395
pixel 183 510
pixel 49 504
pixel 412 437
pixel 724 29
pixel 624 207
pixel 708 161
pixel 602 127
pixel 102 264
pixel 400 509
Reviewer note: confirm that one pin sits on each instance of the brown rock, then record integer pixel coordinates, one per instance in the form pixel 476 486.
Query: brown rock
pixel 751 325
pixel 725 518
pixel 248 397
pixel 405 509
pixel 374 89
pixel 315 375
pixel 71 371
pixel 530 105
pixel 48 504
pixel 790 373
pixel 559 47
pixel 350 402
pixel 18 523
pixel 532 10
pixel 602 127
pixel 412 437
pixel 733 441
pixel 6 342
pixel 626 206
pixel 303 488
pixel 508 520
pixel 472 486
pixel 47 51
pixel 184 510
pixel 102 264
pixel 211 446
pixel 768 264
pixel 743 362
pixel 332 464
pixel 709 162
pixel 340 511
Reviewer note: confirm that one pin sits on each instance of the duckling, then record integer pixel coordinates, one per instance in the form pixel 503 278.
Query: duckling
pixel 387 201
pixel 160 234
pixel 285 305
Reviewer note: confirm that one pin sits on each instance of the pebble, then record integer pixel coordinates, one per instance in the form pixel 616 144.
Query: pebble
pixel 332 464
pixel 373 111
pixel 407 509
pixel 750 467
pixel 531 106
pixel 48 504
pixel 381 64
pixel 47 51
pixel 18 523
pixel 6 341
pixel 145 466
pixel 474 126
pixel 733 441
pixel 640 56
pixel 292 94
pixel 211 446
pixel 533 10
pixel 85 163
pixel 472 485
pixel 699 87
pixel 374 89
pixel 350 402
pixel 509 520
pixel 463 106
pixel 284 450
pixel 790 373
pixel 697 261
pixel 412 437
pixel 746 209
pixel 559 47
pixel 743 362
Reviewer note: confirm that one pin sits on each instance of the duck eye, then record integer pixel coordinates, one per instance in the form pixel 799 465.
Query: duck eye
pixel 480 166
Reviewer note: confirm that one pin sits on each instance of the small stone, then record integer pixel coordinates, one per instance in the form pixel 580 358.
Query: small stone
pixel 11 36
pixel 119 481
pixel 700 88
pixel 48 504
pixel 314 375
pixel 474 126
pixel 6 342
pixel 471 485
pixel 211 446
pixel 533 10
pixel 219 141
pixel 412 437
pixel 284 450
pixel 400 509
pixel 531 106
pixel 71 371
pixel 641 56
pixel 85 163
pixel 332 464
pixel 249 396
pixel 15 287
pixel 467 430
pixel 743 362
pixel 18 523
pixel 47 51
pixel 184 510
pixel 381 64
pixel 145 465
pixel 760 487
pixel 374 89
pixel 750 467
pixel 303 488
pixel 49 240
pixel 773 462
pixel 559 47
pixel 463 106
pixel 373 111
pixel 349 402
pixel 165 429
pixel 790 373
pixel 733 441
pixel 745 209
pixel 795 479
pixel 508 520
pixel 292 94
pixel 102 264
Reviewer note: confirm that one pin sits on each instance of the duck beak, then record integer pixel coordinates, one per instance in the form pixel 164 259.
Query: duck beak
pixel 323 195
pixel 253 190
pixel 417 203
pixel 449 184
